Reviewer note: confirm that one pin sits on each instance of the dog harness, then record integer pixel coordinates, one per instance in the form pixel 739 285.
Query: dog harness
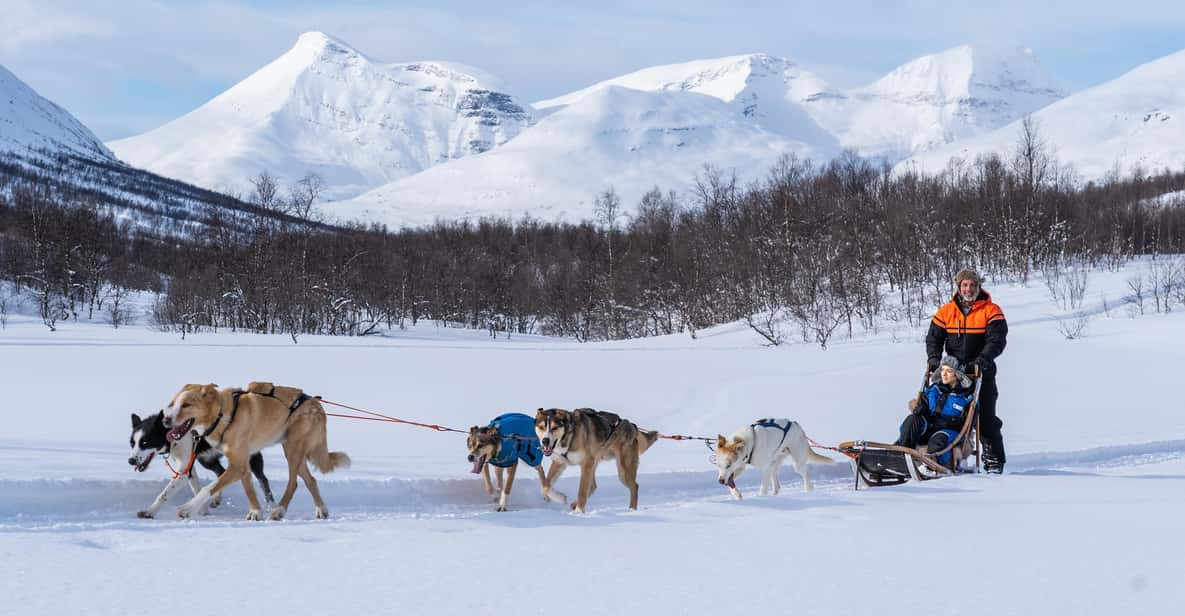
pixel 767 423
pixel 234 407
pixel 518 440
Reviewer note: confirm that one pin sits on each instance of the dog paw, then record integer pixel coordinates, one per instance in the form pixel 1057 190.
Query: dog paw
pixel 216 501
pixel 145 515
pixel 277 513
pixel 558 497
pixel 736 493
pixel 254 515
pixel 322 513
pixel 185 513
pixel 576 508
pixel 500 508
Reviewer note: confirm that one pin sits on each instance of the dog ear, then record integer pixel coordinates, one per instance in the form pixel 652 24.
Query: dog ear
pixel 209 390
pixel 135 420
pixel 720 441
pixel 473 430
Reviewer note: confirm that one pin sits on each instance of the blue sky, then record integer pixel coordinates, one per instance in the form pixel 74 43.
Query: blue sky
pixel 128 66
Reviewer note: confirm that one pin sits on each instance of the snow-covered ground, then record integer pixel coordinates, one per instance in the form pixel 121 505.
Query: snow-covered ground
pixel 1087 519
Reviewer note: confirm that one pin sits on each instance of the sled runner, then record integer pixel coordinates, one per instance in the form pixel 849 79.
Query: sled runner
pixel 881 464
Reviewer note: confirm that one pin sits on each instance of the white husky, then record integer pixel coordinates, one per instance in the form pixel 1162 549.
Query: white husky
pixel 765 444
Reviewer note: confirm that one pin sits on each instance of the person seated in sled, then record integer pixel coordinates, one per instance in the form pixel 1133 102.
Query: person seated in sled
pixel 937 416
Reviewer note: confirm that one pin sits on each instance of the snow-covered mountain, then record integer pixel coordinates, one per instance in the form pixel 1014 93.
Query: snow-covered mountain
pixel 937 99
pixel 763 107
pixel 44 147
pixel 767 90
pixel 324 107
pixel 1137 119
pixel 31 124
pixel 612 136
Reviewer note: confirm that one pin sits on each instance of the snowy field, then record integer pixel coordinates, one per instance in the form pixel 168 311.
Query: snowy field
pixel 1087 519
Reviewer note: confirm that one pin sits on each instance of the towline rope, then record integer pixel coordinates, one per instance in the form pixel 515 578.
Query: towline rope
pixel 381 417
pixel 439 428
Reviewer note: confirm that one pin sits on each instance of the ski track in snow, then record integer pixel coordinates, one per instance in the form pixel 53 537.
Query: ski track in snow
pixel 80 504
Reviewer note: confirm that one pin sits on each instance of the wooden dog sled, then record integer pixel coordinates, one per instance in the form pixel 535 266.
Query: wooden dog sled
pixel 881 464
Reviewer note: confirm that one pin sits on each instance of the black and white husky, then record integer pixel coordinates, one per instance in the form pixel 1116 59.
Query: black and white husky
pixel 148 440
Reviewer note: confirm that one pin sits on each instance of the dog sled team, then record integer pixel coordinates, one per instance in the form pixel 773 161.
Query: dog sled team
pixel 204 424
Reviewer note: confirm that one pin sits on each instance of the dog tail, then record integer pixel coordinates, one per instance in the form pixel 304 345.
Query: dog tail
pixel 646 438
pixel 329 461
pixel 326 461
pixel 815 458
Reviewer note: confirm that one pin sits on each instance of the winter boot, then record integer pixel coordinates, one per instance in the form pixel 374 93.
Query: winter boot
pixel 993 456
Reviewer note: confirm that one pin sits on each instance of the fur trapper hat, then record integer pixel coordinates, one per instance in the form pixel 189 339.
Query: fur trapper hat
pixel 968 274
pixel 949 360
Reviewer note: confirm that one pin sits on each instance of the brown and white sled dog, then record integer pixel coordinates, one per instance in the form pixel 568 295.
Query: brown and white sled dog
pixel 765 444
pixel 485 444
pixel 242 422
pixel 583 438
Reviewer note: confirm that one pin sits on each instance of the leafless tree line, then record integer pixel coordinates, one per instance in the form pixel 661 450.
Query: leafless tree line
pixel 809 253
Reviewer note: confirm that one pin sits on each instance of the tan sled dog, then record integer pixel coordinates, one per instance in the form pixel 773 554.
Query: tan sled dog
pixel 584 437
pixel 242 422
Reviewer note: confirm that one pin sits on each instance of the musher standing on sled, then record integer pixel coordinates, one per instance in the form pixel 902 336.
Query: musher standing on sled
pixel 972 329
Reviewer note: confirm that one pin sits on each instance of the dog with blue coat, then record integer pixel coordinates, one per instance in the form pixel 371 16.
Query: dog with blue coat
pixel 507 440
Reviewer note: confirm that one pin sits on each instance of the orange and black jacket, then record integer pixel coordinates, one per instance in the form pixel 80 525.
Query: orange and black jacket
pixel 982 332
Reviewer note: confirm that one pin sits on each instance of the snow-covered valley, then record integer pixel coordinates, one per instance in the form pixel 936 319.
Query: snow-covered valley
pixel 1084 518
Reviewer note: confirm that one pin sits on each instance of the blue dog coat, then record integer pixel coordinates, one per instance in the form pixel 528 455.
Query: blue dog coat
pixel 515 449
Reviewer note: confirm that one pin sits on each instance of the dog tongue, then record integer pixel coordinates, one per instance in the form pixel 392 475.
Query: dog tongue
pixel 179 430
pixel 477 463
pixel 730 483
pixel 144 465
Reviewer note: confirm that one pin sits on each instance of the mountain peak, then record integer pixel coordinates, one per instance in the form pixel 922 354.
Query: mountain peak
pixel 969 71
pixel 320 42
pixel 727 78
pixel 938 98
pixel 324 107
pixel 1131 122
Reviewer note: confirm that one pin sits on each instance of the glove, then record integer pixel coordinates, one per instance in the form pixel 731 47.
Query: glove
pixel 984 364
